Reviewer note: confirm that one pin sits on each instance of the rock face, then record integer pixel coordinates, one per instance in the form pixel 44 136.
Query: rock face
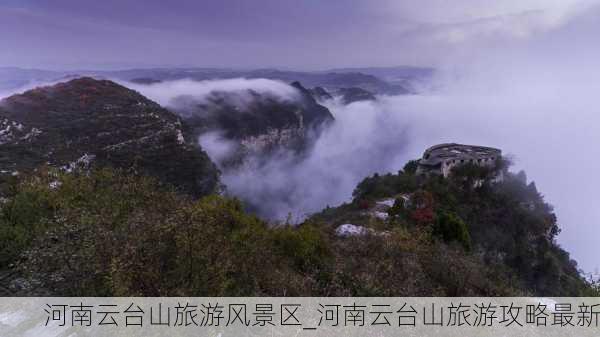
pixel 443 158
pixel 255 123
pixel 354 94
pixel 87 122
pixel 314 114
pixel 145 80
pixel 320 94
pixel 348 230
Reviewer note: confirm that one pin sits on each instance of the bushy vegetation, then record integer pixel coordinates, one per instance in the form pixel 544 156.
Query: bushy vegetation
pixel 111 233
pixel 451 228
pixel 505 223
pixel 109 124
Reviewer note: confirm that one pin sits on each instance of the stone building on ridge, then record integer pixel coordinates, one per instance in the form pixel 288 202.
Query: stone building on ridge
pixel 442 158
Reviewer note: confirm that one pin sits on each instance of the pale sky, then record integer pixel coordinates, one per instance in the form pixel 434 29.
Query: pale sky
pixel 308 34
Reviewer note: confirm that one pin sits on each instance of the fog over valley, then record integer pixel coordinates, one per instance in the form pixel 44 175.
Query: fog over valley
pixel 544 122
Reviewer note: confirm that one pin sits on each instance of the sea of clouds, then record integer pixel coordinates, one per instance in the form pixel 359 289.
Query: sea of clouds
pixel 548 123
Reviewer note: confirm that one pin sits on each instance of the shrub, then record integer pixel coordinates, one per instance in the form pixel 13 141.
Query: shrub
pixel 411 166
pixel 22 218
pixel 397 208
pixel 305 246
pixel 108 233
pixel 450 227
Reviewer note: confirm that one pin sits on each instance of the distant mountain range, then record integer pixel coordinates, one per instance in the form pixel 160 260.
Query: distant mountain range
pixel 403 234
pixel 84 122
pixel 392 73
pixel 260 126
pixel 394 80
pixel 62 119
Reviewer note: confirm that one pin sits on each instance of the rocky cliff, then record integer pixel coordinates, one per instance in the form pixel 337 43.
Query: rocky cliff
pixel 354 94
pixel 86 122
pixel 256 123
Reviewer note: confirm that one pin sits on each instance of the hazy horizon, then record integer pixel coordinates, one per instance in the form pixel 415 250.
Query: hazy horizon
pixel 70 34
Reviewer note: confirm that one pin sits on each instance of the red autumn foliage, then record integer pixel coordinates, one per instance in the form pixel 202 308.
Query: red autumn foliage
pixel 423 216
pixel 364 204
pixel 423 203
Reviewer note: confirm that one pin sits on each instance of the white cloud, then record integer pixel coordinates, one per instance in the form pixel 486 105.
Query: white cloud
pixel 164 92
pixel 470 20
pixel 460 11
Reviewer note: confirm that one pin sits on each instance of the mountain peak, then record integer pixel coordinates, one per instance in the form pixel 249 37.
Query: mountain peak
pixel 119 127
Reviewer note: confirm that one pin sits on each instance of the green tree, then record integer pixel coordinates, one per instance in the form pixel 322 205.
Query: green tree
pixel 411 166
pixel 450 227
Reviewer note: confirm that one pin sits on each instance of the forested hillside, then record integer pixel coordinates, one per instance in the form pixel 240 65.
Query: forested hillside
pixel 108 232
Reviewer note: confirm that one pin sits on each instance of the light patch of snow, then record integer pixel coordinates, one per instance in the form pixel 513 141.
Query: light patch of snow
pixel 82 162
pixel 144 139
pixel 380 209
pixel 15 173
pixel 180 138
pixel 5 130
pixel 55 184
pixel 386 202
pixel 347 230
pixel 406 197
pixel 380 215
pixel 34 132
pixel 6 134
pixel 86 159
